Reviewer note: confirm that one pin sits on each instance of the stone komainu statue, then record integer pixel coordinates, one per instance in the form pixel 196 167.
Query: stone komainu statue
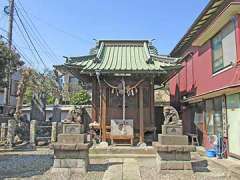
pixel 75 116
pixel 171 116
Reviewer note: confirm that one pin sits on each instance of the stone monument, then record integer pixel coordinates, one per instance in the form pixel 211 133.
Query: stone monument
pixel 173 151
pixel 38 107
pixel 71 149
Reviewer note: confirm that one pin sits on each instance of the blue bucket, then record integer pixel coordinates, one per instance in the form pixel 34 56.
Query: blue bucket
pixel 211 153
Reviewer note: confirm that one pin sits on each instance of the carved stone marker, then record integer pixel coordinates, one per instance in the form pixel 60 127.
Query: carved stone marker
pixel 38 108
pixel 56 114
pixel 71 150
pixel 3 131
pixel 11 132
pixel 69 128
pixel 54 132
pixel 33 132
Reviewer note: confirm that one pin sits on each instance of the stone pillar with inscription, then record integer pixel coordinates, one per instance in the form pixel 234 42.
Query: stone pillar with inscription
pixel 3 131
pixel 11 132
pixel 54 132
pixel 33 132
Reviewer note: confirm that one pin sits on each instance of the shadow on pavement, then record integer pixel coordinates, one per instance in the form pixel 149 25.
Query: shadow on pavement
pixel 19 166
pixel 101 167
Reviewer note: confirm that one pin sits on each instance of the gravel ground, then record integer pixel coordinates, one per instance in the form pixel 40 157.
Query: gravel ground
pixel 213 172
pixel 36 165
pixel 24 165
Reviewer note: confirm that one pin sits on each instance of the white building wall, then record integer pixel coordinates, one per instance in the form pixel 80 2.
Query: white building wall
pixel 15 77
pixel 1 98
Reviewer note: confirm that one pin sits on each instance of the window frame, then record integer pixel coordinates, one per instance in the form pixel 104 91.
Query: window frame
pixel 212 49
pixel 14 87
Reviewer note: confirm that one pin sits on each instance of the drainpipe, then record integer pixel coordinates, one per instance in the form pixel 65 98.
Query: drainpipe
pixel 100 101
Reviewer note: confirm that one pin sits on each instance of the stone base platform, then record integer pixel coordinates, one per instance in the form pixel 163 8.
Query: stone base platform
pixel 71 153
pixel 172 129
pixel 174 157
pixel 173 139
pixel 173 148
pixel 71 156
pixel 182 165
pixel 97 152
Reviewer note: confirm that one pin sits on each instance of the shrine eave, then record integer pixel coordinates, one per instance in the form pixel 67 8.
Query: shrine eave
pixel 129 57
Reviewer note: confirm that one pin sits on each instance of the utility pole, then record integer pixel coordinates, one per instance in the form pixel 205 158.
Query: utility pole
pixel 10 27
pixel 10 30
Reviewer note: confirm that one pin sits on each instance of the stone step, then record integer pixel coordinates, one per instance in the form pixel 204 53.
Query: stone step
pixel 105 156
pixel 131 170
pixel 115 170
pixel 122 169
pixel 122 150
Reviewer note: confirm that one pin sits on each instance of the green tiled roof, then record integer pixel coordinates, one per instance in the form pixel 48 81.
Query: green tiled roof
pixel 123 56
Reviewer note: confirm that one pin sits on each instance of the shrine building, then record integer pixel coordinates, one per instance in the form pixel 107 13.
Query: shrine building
pixel 123 74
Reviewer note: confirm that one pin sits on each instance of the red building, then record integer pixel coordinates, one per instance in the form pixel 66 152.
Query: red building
pixel 207 89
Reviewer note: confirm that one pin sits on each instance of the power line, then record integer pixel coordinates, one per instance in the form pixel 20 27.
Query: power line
pixel 4 30
pixel 30 40
pixel 73 36
pixel 25 39
pixel 31 49
pixel 50 25
pixel 17 49
pixel 38 35
pixel 22 54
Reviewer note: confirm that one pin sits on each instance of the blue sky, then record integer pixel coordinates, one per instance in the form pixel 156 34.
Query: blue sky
pixel 69 27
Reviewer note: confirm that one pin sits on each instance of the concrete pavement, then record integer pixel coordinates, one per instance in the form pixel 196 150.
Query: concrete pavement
pixel 122 169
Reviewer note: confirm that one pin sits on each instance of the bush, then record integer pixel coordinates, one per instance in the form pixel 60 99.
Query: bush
pixel 80 98
pixel 51 99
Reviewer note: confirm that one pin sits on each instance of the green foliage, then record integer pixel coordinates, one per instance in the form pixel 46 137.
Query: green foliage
pixel 28 96
pixel 42 83
pixel 80 98
pixel 6 56
pixel 51 99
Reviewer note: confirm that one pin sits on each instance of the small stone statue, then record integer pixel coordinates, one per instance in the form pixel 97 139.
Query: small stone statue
pixel 74 116
pixel 171 116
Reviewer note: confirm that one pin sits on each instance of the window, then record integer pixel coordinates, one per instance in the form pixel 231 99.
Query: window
pixel 73 80
pixel 224 48
pixel 74 85
pixel 14 87
pixel 214 120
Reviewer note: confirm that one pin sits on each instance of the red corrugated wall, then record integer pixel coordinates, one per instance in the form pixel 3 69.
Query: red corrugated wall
pixel 196 75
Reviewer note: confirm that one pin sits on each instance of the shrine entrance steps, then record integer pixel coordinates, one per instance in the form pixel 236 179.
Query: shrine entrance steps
pixel 122 152
pixel 124 162
pixel 122 169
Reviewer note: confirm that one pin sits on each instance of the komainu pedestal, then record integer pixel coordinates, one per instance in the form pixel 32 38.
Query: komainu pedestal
pixel 71 150
pixel 173 151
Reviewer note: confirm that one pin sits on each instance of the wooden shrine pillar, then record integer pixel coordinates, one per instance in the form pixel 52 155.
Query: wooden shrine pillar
pixel 94 102
pixel 104 113
pixel 141 119
pixel 152 110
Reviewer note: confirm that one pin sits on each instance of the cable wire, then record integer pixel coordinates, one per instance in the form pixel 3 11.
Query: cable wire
pixel 30 40
pixel 39 38
pixel 25 39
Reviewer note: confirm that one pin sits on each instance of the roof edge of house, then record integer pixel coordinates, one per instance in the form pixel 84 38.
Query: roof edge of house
pixel 176 49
